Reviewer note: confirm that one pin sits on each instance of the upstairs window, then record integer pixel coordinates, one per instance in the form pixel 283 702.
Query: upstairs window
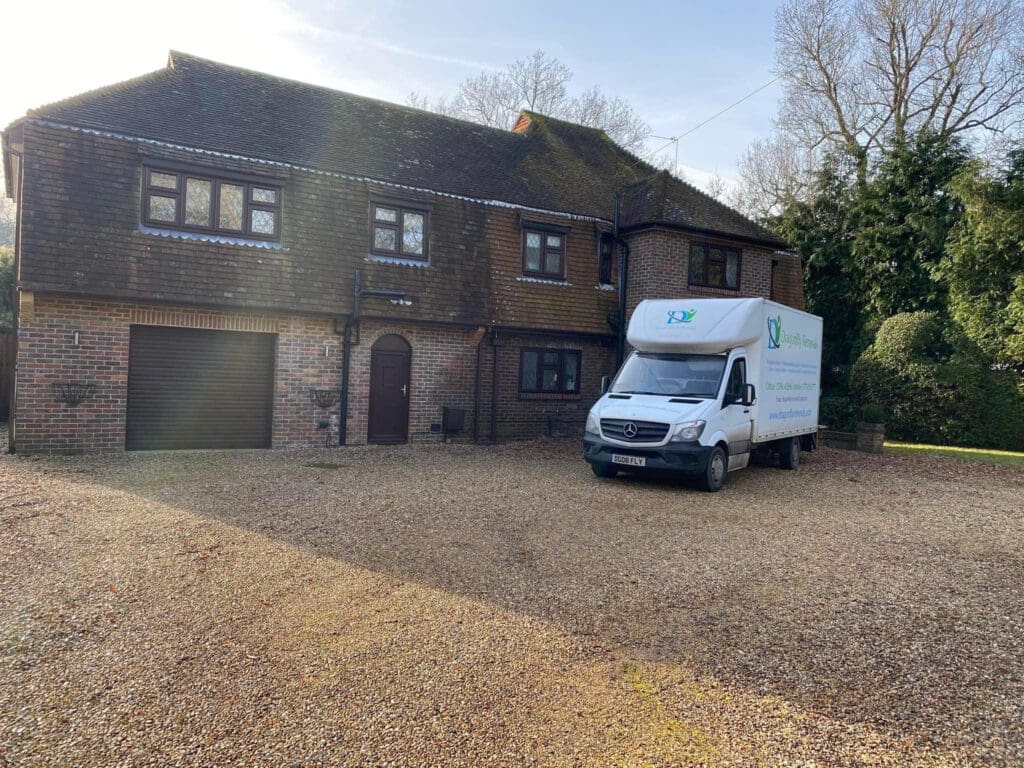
pixel 714 267
pixel 605 258
pixel 544 253
pixel 555 371
pixel 398 230
pixel 201 203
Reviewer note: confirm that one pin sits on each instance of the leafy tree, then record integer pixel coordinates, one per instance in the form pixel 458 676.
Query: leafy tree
pixel 935 385
pixel 985 260
pixel 7 215
pixel 6 288
pixel 820 231
pixel 899 223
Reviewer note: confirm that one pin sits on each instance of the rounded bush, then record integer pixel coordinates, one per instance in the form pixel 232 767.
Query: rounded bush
pixel 934 385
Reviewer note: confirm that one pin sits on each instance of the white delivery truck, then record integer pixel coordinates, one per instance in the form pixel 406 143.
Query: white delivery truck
pixel 709 381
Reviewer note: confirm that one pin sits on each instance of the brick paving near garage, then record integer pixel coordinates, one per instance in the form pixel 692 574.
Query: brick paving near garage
pixel 452 605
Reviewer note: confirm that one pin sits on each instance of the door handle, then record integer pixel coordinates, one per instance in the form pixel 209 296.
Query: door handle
pixel 405 387
pixel 746 410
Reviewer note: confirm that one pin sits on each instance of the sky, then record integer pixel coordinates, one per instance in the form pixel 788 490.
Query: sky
pixel 677 63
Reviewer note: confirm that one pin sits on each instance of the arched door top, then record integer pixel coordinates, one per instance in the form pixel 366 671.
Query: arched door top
pixel 391 342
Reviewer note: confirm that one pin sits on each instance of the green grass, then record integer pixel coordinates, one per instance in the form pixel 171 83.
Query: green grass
pixel 1003 458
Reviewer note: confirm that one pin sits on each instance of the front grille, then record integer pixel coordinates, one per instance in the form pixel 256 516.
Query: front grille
pixel 646 431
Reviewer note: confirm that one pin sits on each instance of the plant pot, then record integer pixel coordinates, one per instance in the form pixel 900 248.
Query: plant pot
pixel 870 437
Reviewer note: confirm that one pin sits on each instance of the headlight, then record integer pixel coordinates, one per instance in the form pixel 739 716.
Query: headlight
pixel 687 432
pixel 593 424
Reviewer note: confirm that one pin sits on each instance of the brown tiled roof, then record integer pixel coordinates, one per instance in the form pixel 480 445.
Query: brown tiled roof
pixel 663 199
pixel 552 165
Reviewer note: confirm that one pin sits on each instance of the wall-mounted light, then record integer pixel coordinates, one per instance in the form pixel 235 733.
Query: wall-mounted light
pixel 402 302
pixel 327 350
pixel 75 338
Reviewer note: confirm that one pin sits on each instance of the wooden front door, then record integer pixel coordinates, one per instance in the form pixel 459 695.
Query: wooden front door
pixel 389 390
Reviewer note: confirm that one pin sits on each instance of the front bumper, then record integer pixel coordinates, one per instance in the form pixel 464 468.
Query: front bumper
pixel 688 458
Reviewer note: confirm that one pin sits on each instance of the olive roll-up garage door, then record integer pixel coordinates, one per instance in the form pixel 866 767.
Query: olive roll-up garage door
pixel 191 388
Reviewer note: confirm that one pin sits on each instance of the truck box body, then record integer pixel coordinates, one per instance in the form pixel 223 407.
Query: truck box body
pixel 783 347
pixel 709 381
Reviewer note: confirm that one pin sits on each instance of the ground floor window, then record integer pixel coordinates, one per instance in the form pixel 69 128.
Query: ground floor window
pixel 549 370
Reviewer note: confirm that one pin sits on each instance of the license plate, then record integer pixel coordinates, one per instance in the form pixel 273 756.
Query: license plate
pixel 629 461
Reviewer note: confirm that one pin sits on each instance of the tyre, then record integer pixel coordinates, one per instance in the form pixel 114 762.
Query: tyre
pixel 789 453
pixel 714 473
pixel 604 469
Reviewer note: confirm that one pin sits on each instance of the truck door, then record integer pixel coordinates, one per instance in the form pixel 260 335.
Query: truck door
pixel 737 417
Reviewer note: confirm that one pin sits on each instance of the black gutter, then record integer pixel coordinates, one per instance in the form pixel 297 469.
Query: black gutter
pixel 761 242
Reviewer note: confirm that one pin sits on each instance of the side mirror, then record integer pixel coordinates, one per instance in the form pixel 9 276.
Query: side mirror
pixel 748 395
pixel 605 382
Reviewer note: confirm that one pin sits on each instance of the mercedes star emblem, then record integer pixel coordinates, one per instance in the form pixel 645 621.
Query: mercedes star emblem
pixel 629 429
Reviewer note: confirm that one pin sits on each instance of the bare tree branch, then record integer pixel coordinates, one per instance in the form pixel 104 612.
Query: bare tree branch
pixel 863 74
pixel 538 83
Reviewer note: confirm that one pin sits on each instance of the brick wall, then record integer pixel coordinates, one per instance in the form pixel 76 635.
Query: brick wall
pixel 48 354
pixel 442 373
pixel 524 415
pixel 308 354
pixel 659 265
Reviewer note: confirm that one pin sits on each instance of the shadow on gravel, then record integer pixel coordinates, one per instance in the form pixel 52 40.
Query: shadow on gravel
pixel 855 587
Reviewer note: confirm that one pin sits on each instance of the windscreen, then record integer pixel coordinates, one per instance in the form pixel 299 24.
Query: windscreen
pixel 648 373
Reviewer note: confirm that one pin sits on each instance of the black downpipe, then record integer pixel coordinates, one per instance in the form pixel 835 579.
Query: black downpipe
pixel 620 349
pixel 346 356
pixel 494 390
pixel 476 389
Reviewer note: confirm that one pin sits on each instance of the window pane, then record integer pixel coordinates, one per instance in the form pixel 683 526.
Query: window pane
pixel 164 180
pixel 197 202
pixel 553 263
pixel 550 358
pixel 528 372
pixel 533 251
pixel 554 241
pixel 263 222
pixel 550 383
pixel 412 233
pixel 571 360
pixel 697 265
pixel 260 195
pixel 163 208
pixel 232 203
pixel 385 214
pixel 715 273
pixel 385 238
pixel 732 269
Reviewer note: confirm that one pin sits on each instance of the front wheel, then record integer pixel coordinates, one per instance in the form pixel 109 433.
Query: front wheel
pixel 789 453
pixel 714 473
pixel 604 469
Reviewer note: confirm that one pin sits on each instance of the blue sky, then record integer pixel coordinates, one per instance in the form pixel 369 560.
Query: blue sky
pixel 677 63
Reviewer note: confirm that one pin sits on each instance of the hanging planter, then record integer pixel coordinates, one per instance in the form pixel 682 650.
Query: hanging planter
pixel 72 392
pixel 323 398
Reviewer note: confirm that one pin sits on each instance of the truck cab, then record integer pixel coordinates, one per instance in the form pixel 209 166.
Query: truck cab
pixel 686 401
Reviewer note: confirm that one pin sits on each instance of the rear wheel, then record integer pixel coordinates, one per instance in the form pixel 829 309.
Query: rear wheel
pixel 604 469
pixel 789 453
pixel 714 473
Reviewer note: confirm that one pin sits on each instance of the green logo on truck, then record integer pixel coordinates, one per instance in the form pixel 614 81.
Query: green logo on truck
pixel 775 332
pixel 680 316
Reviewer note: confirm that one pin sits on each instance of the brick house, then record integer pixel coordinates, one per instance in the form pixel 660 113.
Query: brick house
pixel 203 245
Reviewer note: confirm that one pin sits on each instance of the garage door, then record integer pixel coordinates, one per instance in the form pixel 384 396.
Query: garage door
pixel 189 388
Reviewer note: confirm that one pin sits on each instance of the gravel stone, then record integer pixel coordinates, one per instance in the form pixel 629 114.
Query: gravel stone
pixel 459 605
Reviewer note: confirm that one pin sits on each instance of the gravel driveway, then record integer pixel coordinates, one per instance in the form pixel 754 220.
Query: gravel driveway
pixel 450 605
